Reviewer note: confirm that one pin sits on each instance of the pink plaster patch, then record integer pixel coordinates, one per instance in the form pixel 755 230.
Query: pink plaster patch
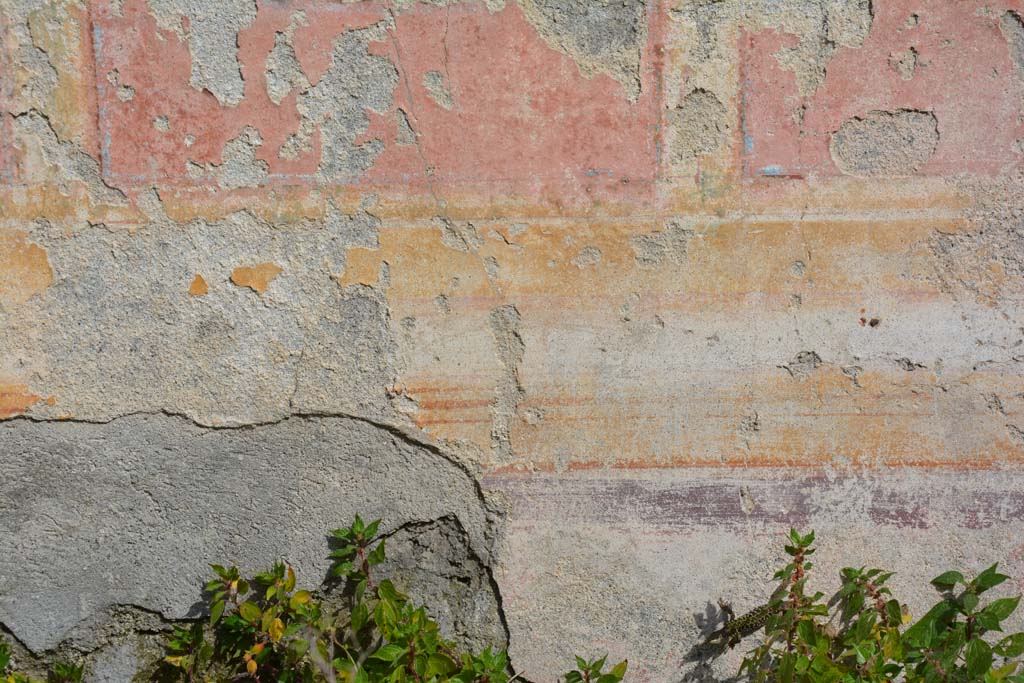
pixel 964 76
pixel 523 118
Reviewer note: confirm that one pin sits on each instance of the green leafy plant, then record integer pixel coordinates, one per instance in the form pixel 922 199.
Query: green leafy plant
pixel 264 629
pixel 860 635
pixel 362 629
pixel 60 672
pixel 593 672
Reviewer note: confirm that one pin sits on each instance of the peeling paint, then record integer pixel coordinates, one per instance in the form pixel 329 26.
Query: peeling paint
pixel 25 270
pixel 199 286
pixel 257 278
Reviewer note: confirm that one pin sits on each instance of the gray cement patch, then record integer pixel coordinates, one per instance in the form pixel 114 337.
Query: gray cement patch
pixel 132 511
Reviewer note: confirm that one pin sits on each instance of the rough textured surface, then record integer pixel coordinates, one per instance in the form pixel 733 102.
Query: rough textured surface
pixel 601 35
pixel 436 564
pixel 589 300
pixel 337 105
pixel 699 125
pixel 885 143
pixel 208 28
pixel 125 536
pixel 582 564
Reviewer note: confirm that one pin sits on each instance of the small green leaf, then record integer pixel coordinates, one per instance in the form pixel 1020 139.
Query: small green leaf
pixel 979 658
pixel 948 579
pixel 215 613
pixel 805 629
pixel 787 667
pixel 1010 646
pixel 300 598
pixel 1002 608
pixel 894 612
pixel 989 579
pixel 371 529
pixel 440 666
pixel 376 556
pixel 387 591
pixel 250 612
pixel 389 653
pixel 970 601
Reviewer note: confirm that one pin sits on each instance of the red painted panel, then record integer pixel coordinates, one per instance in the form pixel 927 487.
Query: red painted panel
pixel 965 76
pixel 524 119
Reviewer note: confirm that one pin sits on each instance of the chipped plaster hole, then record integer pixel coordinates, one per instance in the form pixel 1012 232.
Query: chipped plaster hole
pixel 124 93
pixel 802 365
pixel 211 30
pixel 904 63
pixel 1012 27
pixel 240 167
pixel 356 83
pixel 533 416
pixel 885 143
pixel 283 71
pixel 699 125
pixel 492 267
pixel 601 36
pixel 653 248
pixel 505 323
pixel 433 81
pixel 460 236
pixel 517 229
pixel 908 365
pixel 294 147
pixel 162 124
pixel 587 257
pixel 405 135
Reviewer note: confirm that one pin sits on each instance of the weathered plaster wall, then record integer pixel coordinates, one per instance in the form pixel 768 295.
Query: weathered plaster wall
pixel 588 299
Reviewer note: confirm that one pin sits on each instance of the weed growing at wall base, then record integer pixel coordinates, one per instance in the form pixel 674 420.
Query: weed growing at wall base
pixel 859 635
pixel 359 629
